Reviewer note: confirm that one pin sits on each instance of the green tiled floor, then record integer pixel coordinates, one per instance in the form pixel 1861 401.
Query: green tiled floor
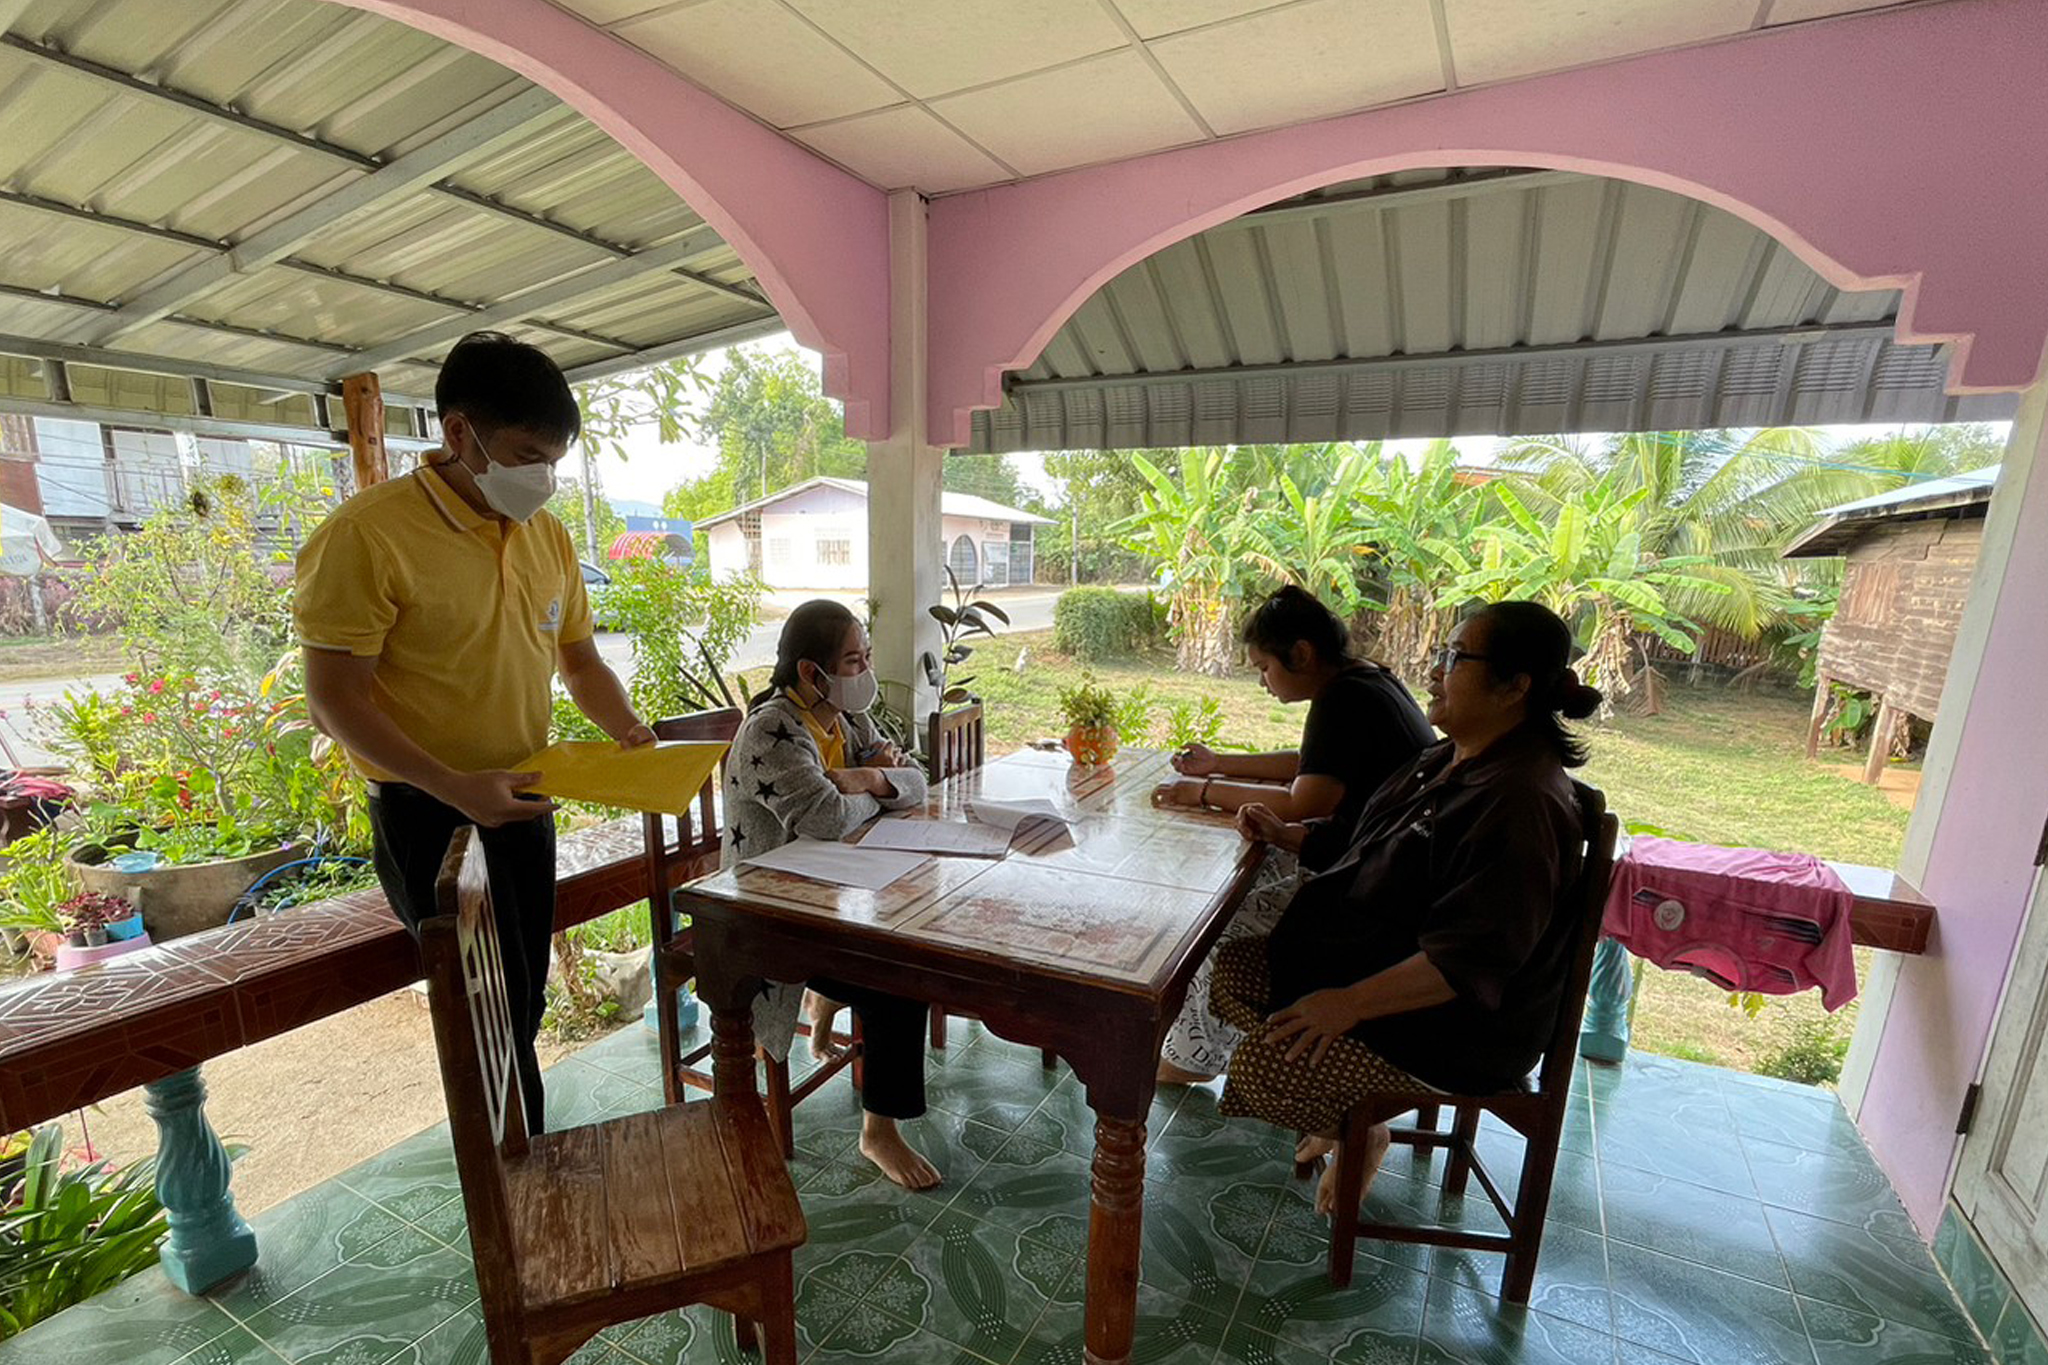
pixel 1699 1216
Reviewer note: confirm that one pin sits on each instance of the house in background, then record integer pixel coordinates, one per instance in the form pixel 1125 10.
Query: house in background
pixel 815 535
pixel 1910 557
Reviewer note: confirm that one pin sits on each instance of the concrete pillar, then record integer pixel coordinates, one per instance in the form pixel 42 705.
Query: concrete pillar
pixel 1926 1021
pixel 905 567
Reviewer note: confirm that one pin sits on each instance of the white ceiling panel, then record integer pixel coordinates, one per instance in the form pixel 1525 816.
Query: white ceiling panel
pixel 1305 61
pixel 764 58
pixel 1101 109
pixel 1497 40
pixel 931 47
pixel 1156 18
pixel 903 147
pixel 1792 11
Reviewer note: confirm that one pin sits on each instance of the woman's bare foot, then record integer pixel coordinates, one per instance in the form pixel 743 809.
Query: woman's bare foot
pixel 1376 1140
pixel 882 1143
pixel 1313 1148
pixel 823 1014
pixel 1169 1074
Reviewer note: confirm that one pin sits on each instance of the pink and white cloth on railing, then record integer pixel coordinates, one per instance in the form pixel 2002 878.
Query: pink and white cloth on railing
pixel 1743 918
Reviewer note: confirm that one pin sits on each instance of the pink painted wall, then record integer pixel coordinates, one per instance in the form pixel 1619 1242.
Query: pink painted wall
pixel 1979 868
pixel 1889 150
pixel 815 237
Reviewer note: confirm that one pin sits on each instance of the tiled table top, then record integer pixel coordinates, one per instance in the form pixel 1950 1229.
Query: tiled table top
pixel 1112 897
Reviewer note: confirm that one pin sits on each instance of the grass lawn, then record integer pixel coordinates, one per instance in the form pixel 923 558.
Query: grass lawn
pixel 1717 767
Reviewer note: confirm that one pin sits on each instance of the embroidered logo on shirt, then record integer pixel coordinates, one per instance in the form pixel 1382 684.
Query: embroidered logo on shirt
pixel 553 620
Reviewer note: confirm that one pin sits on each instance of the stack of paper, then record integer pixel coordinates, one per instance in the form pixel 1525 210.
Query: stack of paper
pixel 1009 814
pixel 938 836
pixel 826 860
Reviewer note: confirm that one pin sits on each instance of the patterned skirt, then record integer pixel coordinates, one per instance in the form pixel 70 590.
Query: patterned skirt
pixel 1262 1083
pixel 1199 1041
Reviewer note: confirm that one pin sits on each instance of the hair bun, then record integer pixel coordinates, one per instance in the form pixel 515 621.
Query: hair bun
pixel 1577 700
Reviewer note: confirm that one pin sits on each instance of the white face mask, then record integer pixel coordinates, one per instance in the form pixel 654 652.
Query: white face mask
pixel 853 694
pixel 516 491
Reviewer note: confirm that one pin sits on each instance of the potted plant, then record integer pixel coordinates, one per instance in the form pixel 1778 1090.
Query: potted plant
pixel 85 918
pixel 1090 710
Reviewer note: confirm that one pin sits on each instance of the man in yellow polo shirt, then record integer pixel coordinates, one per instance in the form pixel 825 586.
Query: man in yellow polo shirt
pixel 435 610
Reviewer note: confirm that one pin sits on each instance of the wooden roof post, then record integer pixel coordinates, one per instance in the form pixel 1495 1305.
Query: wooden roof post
pixel 362 403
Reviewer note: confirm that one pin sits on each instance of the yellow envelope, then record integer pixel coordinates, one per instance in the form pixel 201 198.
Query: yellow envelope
pixel 663 777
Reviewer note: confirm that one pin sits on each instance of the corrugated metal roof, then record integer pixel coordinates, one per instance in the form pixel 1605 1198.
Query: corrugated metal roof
pixel 1496 301
pixel 140 140
pixel 1839 526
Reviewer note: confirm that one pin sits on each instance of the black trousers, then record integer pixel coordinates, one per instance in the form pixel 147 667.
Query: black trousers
pixel 411 832
pixel 892 1041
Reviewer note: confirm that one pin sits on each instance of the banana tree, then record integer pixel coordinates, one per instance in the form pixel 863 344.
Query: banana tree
pixel 1312 540
pixel 1418 527
pixel 1193 531
pixel 1590 566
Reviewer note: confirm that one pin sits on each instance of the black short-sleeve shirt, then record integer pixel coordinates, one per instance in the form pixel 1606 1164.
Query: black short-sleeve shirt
pixel 1361 727
pixel 1472 866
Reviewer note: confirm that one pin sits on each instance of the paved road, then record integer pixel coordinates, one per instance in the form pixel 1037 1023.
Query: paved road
pixel 1027 611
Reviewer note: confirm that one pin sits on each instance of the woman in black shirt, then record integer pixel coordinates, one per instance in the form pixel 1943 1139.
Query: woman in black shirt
pixel 1362 722
pixel 1431 952
pixel 1362 725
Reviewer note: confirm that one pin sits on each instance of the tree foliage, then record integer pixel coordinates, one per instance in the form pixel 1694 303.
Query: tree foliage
pixel 773 427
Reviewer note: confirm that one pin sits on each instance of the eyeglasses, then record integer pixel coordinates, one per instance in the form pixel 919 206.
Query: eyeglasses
pixel 1446 659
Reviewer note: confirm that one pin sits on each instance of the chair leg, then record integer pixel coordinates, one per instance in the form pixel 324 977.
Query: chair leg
pixel 1460 1167
pixel 1048 1059
pixel 1350 1189
pixel 743 1332
pixel 1532 1210
pixel 778 1104
pixel 1425 1118
pixel 860 1056
pixel 938 1027
pixel 778 1315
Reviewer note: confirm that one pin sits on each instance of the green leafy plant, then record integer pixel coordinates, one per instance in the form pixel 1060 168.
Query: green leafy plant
pixel 1850 714
pixel 1134 715
pixel 958 623
pixel 1099 624
pixel 1088 704
pixel 1813 1056
pixel 34 881
pixel 684 627
pixel 1190 722
pixel 69 1234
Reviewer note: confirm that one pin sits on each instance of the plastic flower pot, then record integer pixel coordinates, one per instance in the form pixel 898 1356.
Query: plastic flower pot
pixel 96 936
pixel 1092 746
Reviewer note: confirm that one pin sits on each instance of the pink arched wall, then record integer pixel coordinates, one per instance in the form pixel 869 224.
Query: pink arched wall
pixel 1895 150
pixel 816 238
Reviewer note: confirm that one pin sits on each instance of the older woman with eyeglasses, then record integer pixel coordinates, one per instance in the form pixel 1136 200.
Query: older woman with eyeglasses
pixel 1431 949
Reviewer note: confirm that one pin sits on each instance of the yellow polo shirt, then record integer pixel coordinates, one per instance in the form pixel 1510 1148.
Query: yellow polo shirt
pixel 463 614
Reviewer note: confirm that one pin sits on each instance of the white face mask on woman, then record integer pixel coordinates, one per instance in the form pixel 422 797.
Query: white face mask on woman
pixel 854 693
pixel 515 491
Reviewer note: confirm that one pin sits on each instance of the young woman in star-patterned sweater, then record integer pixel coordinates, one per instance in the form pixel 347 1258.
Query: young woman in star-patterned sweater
pixel 809 763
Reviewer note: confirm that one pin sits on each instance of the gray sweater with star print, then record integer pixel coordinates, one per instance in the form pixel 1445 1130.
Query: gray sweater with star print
pixel 776 790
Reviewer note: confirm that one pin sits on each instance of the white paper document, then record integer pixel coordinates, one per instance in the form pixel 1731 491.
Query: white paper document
pixel 938 836
pixel 1010 814
pixel 826 860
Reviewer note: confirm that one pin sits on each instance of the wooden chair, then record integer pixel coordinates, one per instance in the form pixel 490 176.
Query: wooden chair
pixel 1537 1114
pixel 669 864
pixel 579 1230
pixel 955 742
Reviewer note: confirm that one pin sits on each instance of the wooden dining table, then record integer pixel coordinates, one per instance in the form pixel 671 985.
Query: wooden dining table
pixel 1082 939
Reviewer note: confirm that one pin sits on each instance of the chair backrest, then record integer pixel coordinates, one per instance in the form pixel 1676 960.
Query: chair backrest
pixel 473 1035
pixel 1588 900
pixel 954 742
pixel 665 861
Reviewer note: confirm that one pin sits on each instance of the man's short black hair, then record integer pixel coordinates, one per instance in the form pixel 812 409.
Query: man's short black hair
pixel 499 381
